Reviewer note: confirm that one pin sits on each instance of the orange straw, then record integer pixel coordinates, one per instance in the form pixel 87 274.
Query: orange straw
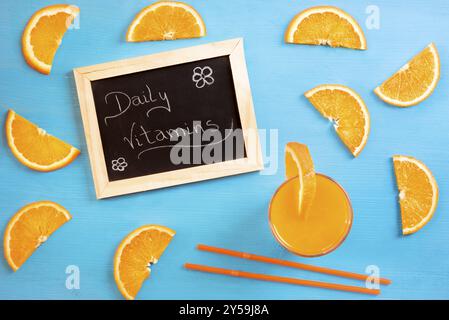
pixel 265 277
pixel 297 265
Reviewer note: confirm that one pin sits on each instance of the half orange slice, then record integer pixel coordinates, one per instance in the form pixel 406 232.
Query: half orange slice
pixel 166 20
pixel 346 110
pixel 298 163
pixel 135 255
pixel 43 35
pixel 414 82
pixel 29 228
pixel 34 147
pixel 325 25
pixel 418 192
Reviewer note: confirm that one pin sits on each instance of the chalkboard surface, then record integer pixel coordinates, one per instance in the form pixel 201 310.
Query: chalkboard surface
pixel 142 115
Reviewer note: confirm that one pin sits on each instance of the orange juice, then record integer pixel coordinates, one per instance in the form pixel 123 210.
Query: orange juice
pixel 326 224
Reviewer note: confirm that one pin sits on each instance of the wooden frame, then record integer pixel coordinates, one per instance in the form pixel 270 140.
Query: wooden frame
pixel 232 48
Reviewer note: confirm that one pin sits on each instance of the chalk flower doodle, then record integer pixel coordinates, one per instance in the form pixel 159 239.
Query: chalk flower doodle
pixel 202 76
pixel 119 164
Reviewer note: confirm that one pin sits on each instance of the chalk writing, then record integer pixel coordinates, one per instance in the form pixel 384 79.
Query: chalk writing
pixel 197 133
pixel 142 137
pixel 121 102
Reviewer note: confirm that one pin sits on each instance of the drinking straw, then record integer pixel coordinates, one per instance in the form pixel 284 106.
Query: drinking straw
pixel 286 263
pixel 266 277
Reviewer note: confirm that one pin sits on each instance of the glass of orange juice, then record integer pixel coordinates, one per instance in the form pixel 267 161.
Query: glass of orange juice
pixel 323 229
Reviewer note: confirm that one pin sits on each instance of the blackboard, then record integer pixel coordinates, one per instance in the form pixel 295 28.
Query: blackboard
pixel 169 118
pixel 142 115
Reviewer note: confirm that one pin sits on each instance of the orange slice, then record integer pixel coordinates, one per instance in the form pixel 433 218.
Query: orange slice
pixel 43 35
pixel 346 110
pixel 35 148
pixel 418 192
pixel 325 25
pixel 29 228
pixel 298 163
pixel 414 82
pixel 135 255
pixel 166 20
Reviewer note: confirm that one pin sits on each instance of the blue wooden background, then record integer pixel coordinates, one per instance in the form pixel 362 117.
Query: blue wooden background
pixel 232 212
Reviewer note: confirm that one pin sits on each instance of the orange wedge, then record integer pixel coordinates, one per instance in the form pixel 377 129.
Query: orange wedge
pixel 298 163
pixel 43 35
pixel 29 228
pixel 414 82
pixel 135 255
pixel 166 20
pixel 325 25
pixel 346 110
pixel 418 192
pixel 35 148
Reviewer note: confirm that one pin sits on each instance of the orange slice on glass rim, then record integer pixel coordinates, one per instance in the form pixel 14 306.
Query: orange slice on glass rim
pixel 166 20
pixel 346 110
pixel 325 25
pixel 414 82
pixel 34 147
pixel 298 163
pixel 135 255
pixel 43 35
pixel 29 228
pixel 418 192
